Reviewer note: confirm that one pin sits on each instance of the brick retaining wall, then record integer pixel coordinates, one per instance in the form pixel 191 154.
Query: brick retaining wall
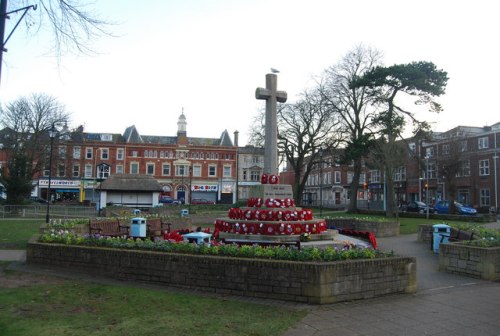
pixel 380 229
pixel 477 262
pixel 307 282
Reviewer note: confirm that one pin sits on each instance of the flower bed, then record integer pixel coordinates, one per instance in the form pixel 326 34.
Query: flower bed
pixel 469 260
pixel 316 282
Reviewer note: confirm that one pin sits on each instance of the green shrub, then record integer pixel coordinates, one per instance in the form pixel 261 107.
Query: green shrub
pixel 229 250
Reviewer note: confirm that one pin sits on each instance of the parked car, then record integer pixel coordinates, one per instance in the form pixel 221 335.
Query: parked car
pixel 201 201
pixel 417 206
pixel 165 199
pixel 443 207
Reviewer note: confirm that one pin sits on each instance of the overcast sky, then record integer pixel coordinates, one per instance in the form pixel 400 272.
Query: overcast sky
pixel 209 56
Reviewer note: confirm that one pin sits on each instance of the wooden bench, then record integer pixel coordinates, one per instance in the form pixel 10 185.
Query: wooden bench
pixel 156 227
pixel 240 242
pixel 458 235
pixel 111 228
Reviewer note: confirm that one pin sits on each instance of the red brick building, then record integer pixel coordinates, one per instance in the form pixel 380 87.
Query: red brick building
pixel 186 167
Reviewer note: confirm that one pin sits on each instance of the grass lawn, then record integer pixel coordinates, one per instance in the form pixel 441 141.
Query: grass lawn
pixel 15 233
pixel 70 307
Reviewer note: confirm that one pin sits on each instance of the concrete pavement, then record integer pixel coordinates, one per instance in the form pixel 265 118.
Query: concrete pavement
pixel 445 304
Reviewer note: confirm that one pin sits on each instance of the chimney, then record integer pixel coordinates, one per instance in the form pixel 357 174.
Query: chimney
pixel 236 138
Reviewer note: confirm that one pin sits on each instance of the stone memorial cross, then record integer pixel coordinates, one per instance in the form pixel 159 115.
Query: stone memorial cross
pixel 272 96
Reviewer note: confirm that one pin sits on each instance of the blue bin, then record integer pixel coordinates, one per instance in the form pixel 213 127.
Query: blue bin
pixel 440 234
pixel 184 212
pixel 138 227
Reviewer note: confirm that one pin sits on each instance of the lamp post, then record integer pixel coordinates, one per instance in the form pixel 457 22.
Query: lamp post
pixel 52 135
pixel 427 184
pixel 321 182
pixel 190 187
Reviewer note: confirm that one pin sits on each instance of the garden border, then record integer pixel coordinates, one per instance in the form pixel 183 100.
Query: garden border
pixel 472 261
pixel 305 282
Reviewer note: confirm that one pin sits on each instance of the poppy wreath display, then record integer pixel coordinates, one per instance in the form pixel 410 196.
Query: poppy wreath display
pixel 273 179
pixel 270 203
pixel 263 179
pixel 249 214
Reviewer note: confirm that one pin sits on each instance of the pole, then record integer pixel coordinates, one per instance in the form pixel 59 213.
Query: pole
pixel 321 182
pixel 52 135
pixel 495 157
pixel 3 17
pixel 427 185
pixel 190 187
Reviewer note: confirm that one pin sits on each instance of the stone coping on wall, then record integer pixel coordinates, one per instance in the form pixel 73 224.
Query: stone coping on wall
pixel 472 261
pixel 380 229
pixel 304 282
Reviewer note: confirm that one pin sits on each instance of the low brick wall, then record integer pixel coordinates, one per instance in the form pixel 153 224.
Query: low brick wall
pixel 306 282
pixel 380 229
pixel 477 262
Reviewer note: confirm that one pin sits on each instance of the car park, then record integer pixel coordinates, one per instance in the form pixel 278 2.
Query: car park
pixel 443 207
pixel 417 206
pixel 201 201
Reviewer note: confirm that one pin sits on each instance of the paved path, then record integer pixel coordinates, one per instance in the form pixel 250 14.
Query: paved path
pixel 445 304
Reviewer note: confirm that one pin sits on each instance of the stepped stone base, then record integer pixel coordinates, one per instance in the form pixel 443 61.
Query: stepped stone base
pixel 327 236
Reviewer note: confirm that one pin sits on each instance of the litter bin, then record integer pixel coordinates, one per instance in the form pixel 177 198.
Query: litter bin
pixel 138 227
pixel 184 212
pixel 440 234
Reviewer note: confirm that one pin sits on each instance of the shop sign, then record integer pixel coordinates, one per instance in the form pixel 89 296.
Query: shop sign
pixel 204 187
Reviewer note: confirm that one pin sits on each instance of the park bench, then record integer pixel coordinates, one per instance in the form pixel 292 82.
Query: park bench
pixel 261 242
pixel 458 235
pixel 156 227
pixel 112 228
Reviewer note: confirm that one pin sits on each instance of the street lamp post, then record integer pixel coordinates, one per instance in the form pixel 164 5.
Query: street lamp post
pixel 427 184
pixel 52 135
pixel 321 182
pixel 190 187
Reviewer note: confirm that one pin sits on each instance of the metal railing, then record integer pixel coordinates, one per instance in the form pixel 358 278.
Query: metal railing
pixel 39 211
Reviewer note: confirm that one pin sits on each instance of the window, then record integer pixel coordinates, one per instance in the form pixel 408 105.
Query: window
pixel 76 152
pixel 375 176
pixel 337 177
pixel 197 170
pixel 412 147
pixel 103 171
pixel 119 169
pixel 88 152
pixel 62 151
pixel 463 145
pixel 88 170
pixel 429 152
pixel 165 169
pixel 227 171
pixel 400 174
pixel 484 167
pixel 150 168
pixel 464 169
pixel 244 175
pixel 134 168
pixel 120 153
pixel 134 153
pixel 76 170
pixel 255 175
pixel 350 176
pixel 212 170
pixel 446 149
pixel 430 170
pixel 61 170
pixel 104 153
pixel 484 197
pixel 482 143
pixel 180 170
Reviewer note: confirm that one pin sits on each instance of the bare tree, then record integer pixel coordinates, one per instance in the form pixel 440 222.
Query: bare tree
pixel 73 24
pixel 355 107
pixel 24 137
pixel 304 128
